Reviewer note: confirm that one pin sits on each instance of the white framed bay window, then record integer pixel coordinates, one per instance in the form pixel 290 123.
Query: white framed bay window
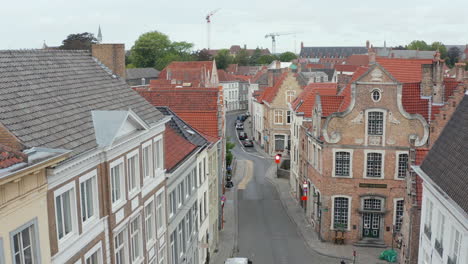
pixel 136 247
pixel 158 155
pixel 133 173
pixel 117 180
pixel 89 198
pixel 146 157
pixel 65 212
pixel 150 223
pixel 161 212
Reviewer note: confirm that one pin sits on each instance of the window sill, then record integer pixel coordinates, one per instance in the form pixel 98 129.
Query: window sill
pixel 133 193
pixel 150 244
pixel 342 177
pixel 67 241
pixel 374 178
pixel 117 205
pixel 89 224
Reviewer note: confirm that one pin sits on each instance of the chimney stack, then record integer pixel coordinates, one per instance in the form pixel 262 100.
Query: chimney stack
pixel 367 45
pixel 438 76
pixel 278 64
pixel 270 78
pixel 372 55
pixel 426 81
pixel 112 56
pixel 302 45
pixel 459 71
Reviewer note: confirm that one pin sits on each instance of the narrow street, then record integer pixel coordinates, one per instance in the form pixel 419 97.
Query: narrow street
pixel 266 234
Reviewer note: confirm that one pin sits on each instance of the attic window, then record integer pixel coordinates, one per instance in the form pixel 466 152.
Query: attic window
pixel 376 95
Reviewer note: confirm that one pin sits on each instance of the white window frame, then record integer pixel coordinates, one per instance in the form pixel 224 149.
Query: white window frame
pixel 372 94
pixel 94 249
pixel 397 162
pixel 150 241
pixel 290 94
pixel 74 221
pixel 162 257
pixel 148 144
pixel 366 117
pixel 87 222
pixel 350 202
pixel 140 250
pixel 158 156
pixel 121 202
pixel 160 229
pixel 454 250
pixel 395 200
pixel 350 151
pixel 280 115
pixel 132 193
pixel 382 166
pixel 124 232
pixel 288 116
pixel 172 210
pixel 34 240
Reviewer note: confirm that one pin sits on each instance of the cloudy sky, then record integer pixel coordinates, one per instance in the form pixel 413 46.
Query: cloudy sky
pixel 27 23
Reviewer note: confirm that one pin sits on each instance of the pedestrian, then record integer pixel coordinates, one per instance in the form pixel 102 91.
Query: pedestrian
pixel 342 262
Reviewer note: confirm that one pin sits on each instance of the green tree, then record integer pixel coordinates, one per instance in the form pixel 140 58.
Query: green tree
pixel 418 45
pixel 437 45
pixel 287 56
pixel 242 58
pixel 79 41
pixel 154 49
pixel 253 60
pixel 223 59
pixel 453 55
pixel 202 55
pixel 229 156
pixel 266 59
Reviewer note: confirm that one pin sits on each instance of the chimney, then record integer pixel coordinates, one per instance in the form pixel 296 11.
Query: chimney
pixel 277 64
pixel 459 71
pixel 367 45
pixel 245 46
pixel 437 79
pixel 302 45
pixel 270 78
pixel 426 81
pixel 112 56
pixel 371 53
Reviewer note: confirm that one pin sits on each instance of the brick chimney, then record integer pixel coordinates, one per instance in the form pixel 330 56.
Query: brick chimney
pixel 437 78
pixel 426 81
pixel 459 71
pixel 372 55
pixel 112 56
pixel 367 45
pixel 277 64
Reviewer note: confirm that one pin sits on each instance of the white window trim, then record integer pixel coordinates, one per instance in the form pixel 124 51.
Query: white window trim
pixel 281 114
pixel 350 151
pixel 397 157
pixel 366 118
pixel 94 249
pixel 35 245
pixel 159 171
pixel 319 159
pixel 90 221
pixel 120 203
pixel 382 167
pixel 395 200
pixel 67 239
pixel 151 242
pixel 287 96
pixel 123 229
pixel 149 143
pixel 172 214
pixel 290 117
pixel 333 210
pixel 133 193
pixel 162 230
pixel 380 95
pixel 140 230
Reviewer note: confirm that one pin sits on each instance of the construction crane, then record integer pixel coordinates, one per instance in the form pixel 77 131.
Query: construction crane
pixel 208 26
pixel 273 39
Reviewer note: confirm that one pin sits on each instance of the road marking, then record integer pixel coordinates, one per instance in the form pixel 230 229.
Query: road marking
pixel 248 173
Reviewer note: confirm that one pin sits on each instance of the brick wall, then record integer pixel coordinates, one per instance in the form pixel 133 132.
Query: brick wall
pixel 111 55
pixel 7 139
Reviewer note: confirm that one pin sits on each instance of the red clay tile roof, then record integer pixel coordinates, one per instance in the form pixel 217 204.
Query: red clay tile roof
pixel 270 92
pixel 9 157
pixel 259 74
pixel 187 71
pixel 243 78
pixel 358 60
pixel 330 104
pixel 196 106
pixel 421 153
pixel 346 68
pixel 176 148
pixel 315 66
pixel 404 70
pixel 305 102
pixel 346 93
pixel 232 68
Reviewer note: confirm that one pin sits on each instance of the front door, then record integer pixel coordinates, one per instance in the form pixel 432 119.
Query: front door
pixel 371 225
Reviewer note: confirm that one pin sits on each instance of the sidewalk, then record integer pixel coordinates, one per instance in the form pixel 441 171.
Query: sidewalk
pixel 296 213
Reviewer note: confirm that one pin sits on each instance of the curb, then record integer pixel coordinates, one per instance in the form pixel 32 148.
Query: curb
pixel 297 225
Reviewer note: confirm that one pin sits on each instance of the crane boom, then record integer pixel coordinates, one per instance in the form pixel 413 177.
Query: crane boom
pixel 273 38
pixel 208 26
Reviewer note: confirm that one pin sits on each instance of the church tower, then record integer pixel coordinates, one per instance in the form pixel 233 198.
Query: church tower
pixel 99 35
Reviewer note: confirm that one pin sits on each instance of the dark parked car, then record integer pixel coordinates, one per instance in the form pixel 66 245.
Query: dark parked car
pixel 240 127
pixel 248 143
pixel 242 117
pixel 229 184
pixel 242 135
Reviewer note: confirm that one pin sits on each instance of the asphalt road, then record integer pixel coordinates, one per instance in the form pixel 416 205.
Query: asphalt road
pixel 266 234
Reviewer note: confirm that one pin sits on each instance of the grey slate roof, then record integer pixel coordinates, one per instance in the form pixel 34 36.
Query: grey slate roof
pixel 447 161
pixel 404 54
pixel 183 128
pixel 340 52
pixel 46 98
pixel 139 73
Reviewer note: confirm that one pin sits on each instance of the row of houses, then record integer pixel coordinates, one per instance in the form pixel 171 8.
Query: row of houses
pixel 92 171
pixel 356 147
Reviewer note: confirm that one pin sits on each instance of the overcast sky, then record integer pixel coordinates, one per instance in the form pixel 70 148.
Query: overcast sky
pixel 26 24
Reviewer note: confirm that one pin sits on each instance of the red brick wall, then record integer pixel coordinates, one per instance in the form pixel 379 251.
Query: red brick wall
pixel 112 55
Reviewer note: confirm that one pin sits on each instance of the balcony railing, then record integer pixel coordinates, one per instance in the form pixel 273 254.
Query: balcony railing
pixel 439 247
pixel 427 231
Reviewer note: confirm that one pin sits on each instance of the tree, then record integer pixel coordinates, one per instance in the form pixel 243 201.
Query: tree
pixel 437 45
pixel 80 41
pixel 223 59
pixel 400 47
pixel 418 45
pixel 202 55
pixel 229 156
pixel 453 55
pixel 242 58
pixel 154 49
pixel 287 56
pixel 255 56
pixel 266 59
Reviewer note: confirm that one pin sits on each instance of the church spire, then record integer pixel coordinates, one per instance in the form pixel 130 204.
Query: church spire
pixel 99 35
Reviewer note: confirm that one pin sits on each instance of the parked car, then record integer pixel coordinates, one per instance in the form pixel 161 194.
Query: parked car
pixel 242 135
pixel 238 122
pixel 242 117
pixel 239 126
pixel 248 143
pixel 229 184
pixel 238 261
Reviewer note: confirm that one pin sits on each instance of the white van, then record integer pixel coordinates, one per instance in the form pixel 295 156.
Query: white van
pixel 238 261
